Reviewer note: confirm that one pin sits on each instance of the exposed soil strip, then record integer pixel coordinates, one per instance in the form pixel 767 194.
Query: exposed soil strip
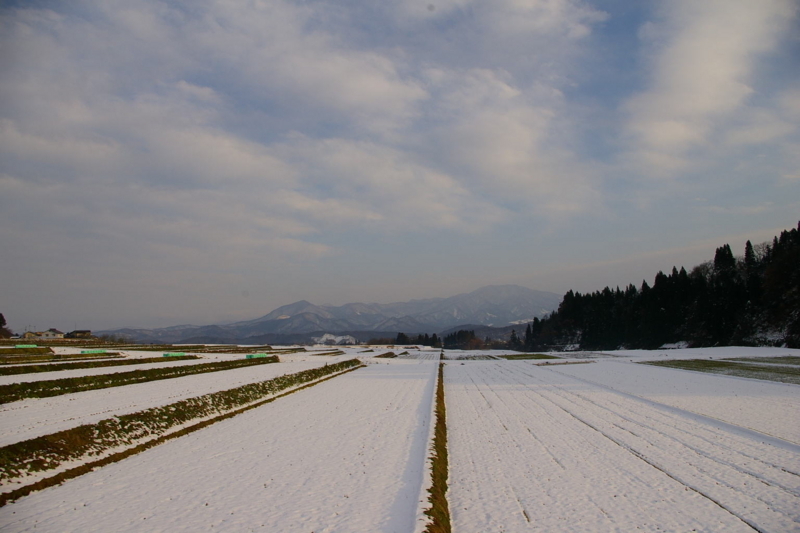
pixel 781 374
pixel 78 365
pixel 47 358
pixel 31 350
pixel 440 510
pixel 44 389
pixel 313 374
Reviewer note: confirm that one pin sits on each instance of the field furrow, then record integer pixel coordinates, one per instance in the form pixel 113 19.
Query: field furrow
pixel 532 449
pixel 35 417
pixel 97 371
pixel 343 456
pixel 767 407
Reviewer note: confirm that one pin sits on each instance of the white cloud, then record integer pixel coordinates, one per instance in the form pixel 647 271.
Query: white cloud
pixel 703 61
pixel 505 19
pixel 759 126
pixel 743 210
pixel 214 136
pixel 789 102
pixel 502 141
pixel 395 192
pixel 272 51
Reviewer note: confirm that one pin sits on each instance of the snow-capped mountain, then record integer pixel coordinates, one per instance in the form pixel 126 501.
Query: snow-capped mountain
pixel 495 305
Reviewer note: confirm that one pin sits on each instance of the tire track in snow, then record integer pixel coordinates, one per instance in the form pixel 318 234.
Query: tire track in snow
pixel 519 408
pixel 700 438
pixel 695 470
pixel 707 454
pixel 729 457
pixel 752 450
pixel 643 458
pixel 501 402
pixel 486 407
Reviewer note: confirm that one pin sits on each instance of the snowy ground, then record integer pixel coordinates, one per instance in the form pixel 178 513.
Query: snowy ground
pixel 60 374
pixel 764 406
pixel 34 417
pixel 534 449
pixel 346 455
pixel 724 352
pixel 610 445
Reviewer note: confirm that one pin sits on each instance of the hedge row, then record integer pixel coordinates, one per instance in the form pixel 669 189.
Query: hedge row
pixel 56 387
pixel 32 369
pixel 51 451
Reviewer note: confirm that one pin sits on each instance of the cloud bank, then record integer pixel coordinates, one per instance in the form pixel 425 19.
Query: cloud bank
pixel 158 159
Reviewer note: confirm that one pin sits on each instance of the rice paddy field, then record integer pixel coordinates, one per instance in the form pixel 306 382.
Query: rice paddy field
pixel 576 442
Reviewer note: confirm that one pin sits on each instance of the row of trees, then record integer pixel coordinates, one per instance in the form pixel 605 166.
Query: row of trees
pixel 404 340
pixel 463 339
pixel 753 299
pixel 421 339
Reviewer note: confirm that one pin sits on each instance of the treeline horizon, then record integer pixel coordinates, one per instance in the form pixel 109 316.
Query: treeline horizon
pixel 751 300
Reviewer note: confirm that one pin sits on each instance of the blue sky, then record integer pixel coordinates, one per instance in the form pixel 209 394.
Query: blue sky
pixel 199 162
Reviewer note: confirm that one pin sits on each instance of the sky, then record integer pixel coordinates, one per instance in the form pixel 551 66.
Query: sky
pixel 202 162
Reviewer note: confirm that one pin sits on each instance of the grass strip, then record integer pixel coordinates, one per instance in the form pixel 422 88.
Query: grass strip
pixel 739 370
pixel 521 356
pixel 34 350
pixel 78 365
pixel 161 347
pixel 55 387
pixel 440 510
pixel 315 376
pixel 201 348
pixel 782 360
pixel 235 349
pixel 333 352
pixel 22 359
pixel 387 355
pixel 49 451
pixel 74 343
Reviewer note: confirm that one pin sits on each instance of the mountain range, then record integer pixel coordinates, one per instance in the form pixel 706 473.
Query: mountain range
pixel 494 305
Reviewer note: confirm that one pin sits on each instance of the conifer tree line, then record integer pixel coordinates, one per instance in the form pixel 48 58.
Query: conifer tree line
pixel 752 299
pixel 462 339
pixel 421 339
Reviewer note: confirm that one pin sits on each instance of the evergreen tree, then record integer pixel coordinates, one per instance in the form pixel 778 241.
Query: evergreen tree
pixel 462 339
pixel 527 341
pixel 4 331
pixel 724 260
pixel 514 342
pixel 720 302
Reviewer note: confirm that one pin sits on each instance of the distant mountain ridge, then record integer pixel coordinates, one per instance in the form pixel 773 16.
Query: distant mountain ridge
pixel 494 305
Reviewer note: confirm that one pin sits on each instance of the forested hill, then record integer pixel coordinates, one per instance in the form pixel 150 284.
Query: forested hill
pixel 749 300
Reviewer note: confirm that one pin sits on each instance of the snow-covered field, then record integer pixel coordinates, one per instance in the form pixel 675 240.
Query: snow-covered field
pixel 60 374
pixel 764 406
pixel 610 445
pixel 534 449
pixel 346 455
pixel 34 417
